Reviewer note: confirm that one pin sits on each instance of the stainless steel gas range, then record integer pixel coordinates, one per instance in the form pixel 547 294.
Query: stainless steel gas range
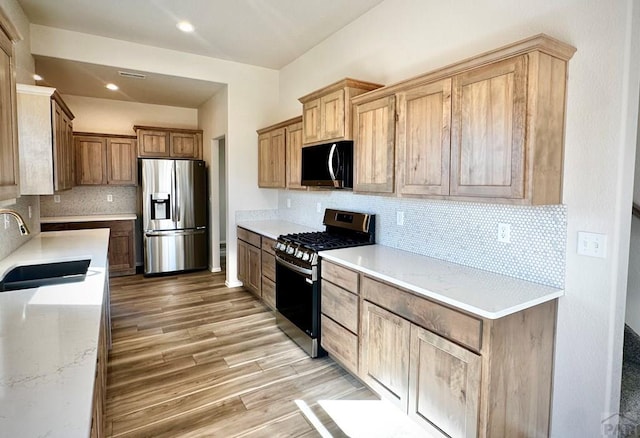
pixel 298 296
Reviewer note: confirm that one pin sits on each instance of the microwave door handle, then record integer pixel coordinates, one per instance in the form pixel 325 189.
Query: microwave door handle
pixel 330 162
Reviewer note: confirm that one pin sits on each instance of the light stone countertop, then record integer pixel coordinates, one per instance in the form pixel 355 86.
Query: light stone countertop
pixel 88 218
pixel 275 228
pixel 481 293
pixel 49 339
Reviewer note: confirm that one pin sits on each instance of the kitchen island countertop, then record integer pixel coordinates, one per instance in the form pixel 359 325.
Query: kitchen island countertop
pixel 49 339
pixel 274 228
pixel 479 292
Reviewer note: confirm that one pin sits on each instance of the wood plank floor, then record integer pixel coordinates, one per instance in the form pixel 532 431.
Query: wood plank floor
pixel 193 358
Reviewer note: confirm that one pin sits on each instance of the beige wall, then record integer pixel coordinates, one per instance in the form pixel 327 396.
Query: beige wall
pixel 118 117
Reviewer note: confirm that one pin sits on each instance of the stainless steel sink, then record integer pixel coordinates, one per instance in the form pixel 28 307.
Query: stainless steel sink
pixel 43 274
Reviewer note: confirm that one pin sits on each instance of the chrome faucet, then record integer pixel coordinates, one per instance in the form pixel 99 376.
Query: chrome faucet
pixel 21 225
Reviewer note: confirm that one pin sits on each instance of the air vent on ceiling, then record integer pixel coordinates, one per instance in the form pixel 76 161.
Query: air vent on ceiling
pixel 129 74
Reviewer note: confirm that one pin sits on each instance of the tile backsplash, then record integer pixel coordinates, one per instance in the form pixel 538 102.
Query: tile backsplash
pixel 460 232
pixel 88 200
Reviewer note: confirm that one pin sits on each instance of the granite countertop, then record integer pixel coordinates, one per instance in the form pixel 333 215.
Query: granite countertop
pixel 49 339
pixel 275 228
pixel 481 293
pixel 88 218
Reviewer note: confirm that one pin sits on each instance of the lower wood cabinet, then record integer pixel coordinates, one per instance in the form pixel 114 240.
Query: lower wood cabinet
pixel 454 373
pixel 249 261
pixel 122 255
pixel 384 354
pixel 268 272
pixel 444 385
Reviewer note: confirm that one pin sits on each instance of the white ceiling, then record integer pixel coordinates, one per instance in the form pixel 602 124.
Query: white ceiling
pixel 268 33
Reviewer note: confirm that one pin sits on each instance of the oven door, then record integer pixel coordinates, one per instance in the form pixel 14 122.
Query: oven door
pixel 298 305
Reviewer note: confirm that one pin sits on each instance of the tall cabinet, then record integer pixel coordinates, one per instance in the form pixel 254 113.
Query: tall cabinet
pixel 45 130
pixel 9 163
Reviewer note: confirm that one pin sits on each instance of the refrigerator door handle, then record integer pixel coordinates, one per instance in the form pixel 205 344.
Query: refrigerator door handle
pixel 176 197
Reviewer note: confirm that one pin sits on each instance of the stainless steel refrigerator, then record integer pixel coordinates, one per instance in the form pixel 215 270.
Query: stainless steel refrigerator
pixel 174 215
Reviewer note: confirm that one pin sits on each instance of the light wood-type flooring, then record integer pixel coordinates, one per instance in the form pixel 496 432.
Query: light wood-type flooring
pixel 193 358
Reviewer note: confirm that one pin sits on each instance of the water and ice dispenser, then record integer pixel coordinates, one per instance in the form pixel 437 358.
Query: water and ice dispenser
pixel 160 206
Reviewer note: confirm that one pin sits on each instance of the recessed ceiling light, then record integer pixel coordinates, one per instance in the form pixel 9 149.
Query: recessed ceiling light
pixel 37 77
pixel 185 26
pixel 112 87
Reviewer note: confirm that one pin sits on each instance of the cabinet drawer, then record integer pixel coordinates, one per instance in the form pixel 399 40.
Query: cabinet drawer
pixel 340 343
pixel 340 305
pixel 268 266
pixel 249 237
pixel 268 244
pixel 458 327
pixel 269 292
pixel 343 277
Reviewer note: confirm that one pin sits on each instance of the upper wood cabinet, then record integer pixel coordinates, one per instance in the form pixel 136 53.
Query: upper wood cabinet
pixel 45 133
pixel 157 142
pixel 326 113
pixel 280 155
pixel 105 159
pixel 294 154
pixel 375 130
pixel 490 128
pixel 424 138
pixel 9 162
pixel 271 158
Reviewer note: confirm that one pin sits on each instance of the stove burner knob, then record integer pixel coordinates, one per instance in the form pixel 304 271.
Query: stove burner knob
pixel 299 254
pixel 290 249
pixel 305 256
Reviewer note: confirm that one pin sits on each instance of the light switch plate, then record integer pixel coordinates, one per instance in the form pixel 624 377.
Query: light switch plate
pixel 109 198
pixel 592 244
pixel 56 199
pixel 400 218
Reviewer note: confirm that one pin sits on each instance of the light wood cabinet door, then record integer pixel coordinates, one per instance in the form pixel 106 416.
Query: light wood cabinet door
pixel 332 108
pixel 384 354
pixel 185 145
pixel 121 160
pixel 424 139
pixel 9 166
pixel 311 120
pixel 488 130
pixel 374 132
pixel 444 385
pixel 90 163
pixel 63 160
pixel 243 261
pixel 271 159
pixel 294 156
pixel 153 144
pixel 249 267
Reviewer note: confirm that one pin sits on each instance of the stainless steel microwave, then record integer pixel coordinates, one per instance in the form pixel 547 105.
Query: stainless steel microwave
pixel 328 165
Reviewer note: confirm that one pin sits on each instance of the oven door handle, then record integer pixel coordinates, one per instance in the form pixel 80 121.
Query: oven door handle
pixel 296 268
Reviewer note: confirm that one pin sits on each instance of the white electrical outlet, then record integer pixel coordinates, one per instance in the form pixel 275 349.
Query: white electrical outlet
pixel 56 199
pixel 109 198
pixel 288 202
pixel 400 218
pixel 7 224
pixel 592 244
pixel 319 207
pixel 30 212
pixel 504 233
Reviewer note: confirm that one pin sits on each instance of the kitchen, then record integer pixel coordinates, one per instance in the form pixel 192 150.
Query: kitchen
pixel 590 314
